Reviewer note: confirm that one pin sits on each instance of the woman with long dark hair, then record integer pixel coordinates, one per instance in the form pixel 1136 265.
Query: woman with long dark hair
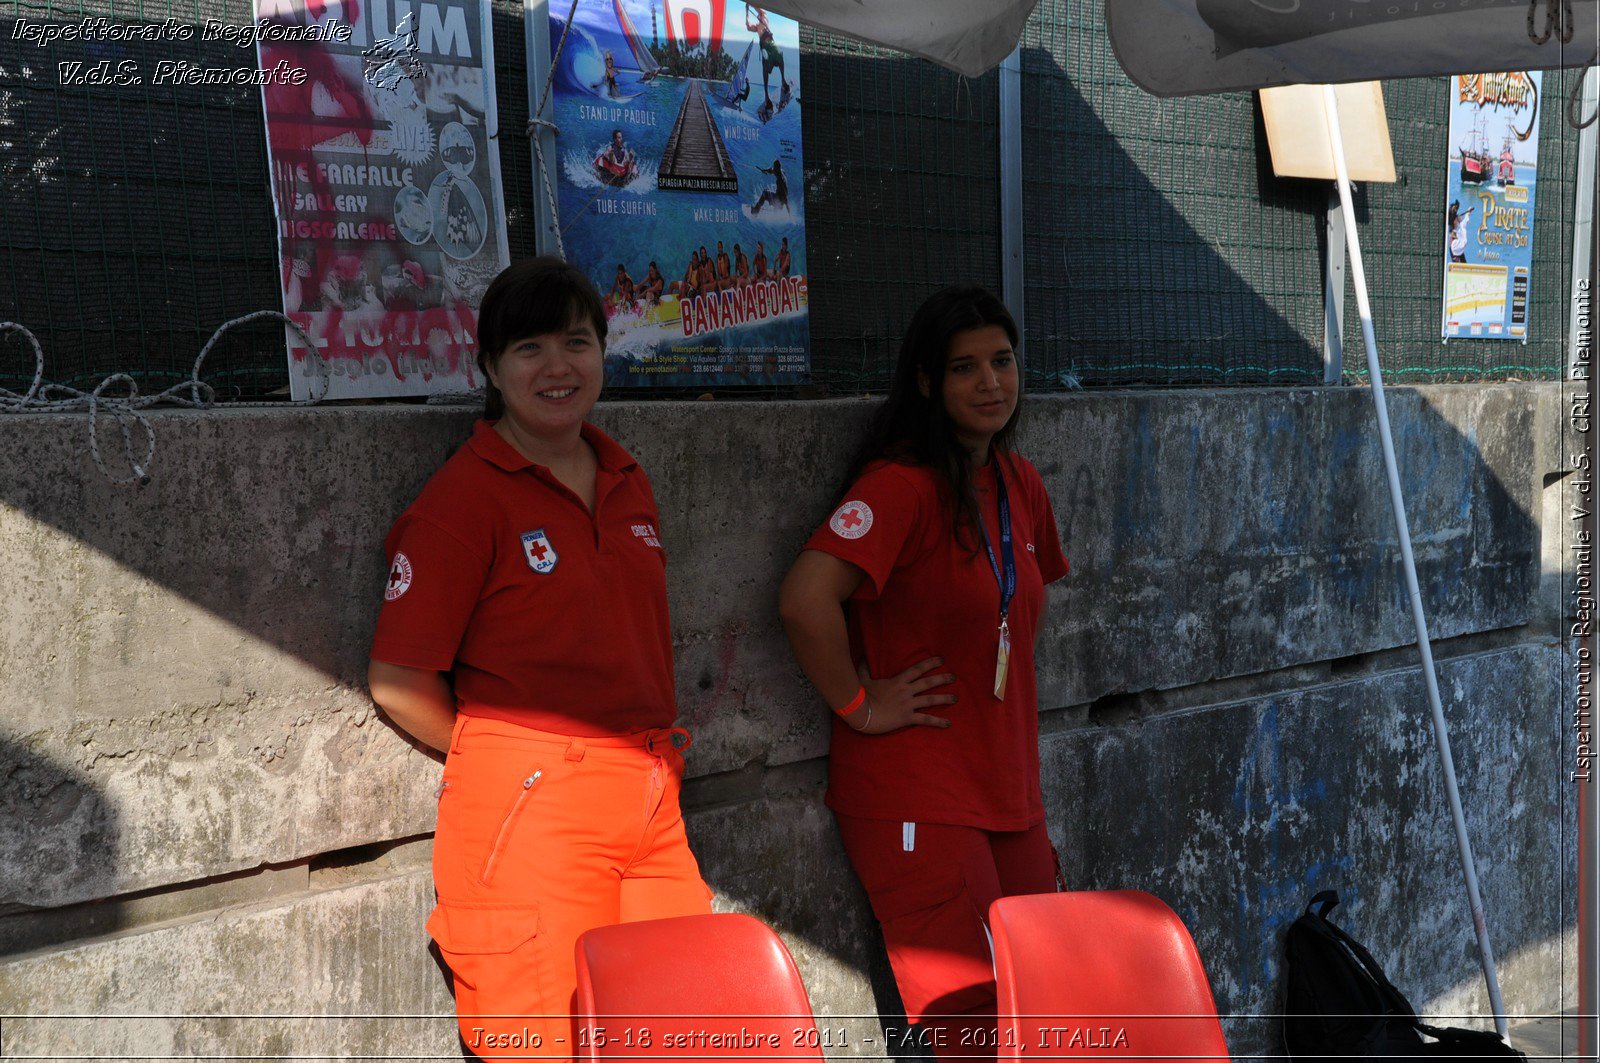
pixel 913 611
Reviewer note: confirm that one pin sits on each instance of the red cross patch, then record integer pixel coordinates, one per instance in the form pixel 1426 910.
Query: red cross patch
pixel 851 520
pixel 399 577
pixel 540 554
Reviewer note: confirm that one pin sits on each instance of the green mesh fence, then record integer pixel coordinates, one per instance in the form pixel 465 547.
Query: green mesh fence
pixel 1159 246
pixel 902 197
pixel 1403 240
pixel 136 219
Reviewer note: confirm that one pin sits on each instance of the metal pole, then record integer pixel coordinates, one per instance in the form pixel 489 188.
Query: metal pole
pixel 1397 501
pixel 1011 278
pixel 1333 296
pixel 536 34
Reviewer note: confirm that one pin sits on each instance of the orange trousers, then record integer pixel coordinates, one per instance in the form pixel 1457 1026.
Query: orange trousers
pixel 542 836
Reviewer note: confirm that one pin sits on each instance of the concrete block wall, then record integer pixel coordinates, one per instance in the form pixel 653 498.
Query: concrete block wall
pixel 204 817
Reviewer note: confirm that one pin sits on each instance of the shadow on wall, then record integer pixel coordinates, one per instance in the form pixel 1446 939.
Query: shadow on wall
pixel 1339 789
pixel 242 585
pixel 1145 259
pixel 1198 558
pixel 1222 534
pixel 1212 538
pixel 1160 247
pixel 69 829
pixel 902 192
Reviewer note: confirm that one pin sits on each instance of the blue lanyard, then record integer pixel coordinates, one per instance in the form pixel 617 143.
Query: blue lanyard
pixel 1008 580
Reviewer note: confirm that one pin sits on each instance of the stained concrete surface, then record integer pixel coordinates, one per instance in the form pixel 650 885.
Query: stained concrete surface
pixel 182 674
pixel 214 625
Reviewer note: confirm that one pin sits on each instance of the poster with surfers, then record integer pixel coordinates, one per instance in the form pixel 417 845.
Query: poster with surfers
pixel 680 184
pixel 386 186
pixel 1489 201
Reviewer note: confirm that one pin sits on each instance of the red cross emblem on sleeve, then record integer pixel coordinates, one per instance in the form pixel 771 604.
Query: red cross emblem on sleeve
pixel 399 577
pixel 851 520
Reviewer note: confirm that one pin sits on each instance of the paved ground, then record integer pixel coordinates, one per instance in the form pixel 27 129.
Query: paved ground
pixel 1547 1038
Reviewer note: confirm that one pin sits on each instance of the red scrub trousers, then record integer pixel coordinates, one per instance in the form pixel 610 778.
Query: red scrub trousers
pixel 931 885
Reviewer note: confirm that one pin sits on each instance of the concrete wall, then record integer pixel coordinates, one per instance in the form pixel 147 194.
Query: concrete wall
pixel 203 816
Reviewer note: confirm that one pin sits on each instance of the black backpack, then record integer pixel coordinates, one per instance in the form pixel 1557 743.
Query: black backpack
pixel 1338 1003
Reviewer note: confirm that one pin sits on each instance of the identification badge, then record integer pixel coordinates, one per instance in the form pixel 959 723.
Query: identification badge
pixel 1002 662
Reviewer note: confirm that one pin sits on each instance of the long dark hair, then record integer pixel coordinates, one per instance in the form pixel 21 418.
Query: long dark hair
pixel 913 428
pixel 531 298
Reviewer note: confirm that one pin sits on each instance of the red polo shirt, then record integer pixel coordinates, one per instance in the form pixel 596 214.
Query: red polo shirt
pixel 548 615
pixel 925 595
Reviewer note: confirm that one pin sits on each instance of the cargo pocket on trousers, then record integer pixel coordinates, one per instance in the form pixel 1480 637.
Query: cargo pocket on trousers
pixel 479 942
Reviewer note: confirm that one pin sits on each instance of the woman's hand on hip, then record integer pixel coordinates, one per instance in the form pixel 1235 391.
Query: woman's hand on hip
pixel 898 701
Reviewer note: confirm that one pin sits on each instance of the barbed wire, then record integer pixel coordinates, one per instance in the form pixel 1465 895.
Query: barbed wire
pixel 125 409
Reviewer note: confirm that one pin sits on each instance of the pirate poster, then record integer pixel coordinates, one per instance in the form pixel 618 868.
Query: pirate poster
pixel 679 186
pixel 1489 202
pixel 386 187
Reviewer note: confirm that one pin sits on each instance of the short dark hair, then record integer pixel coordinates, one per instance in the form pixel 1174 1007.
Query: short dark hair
pixel 531 298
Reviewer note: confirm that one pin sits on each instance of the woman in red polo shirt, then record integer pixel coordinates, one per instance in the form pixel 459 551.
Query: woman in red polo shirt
pixel 913 611
pixel 524 632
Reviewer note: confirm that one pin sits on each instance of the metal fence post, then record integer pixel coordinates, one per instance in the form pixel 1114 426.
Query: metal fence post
pixel 1011 277
pixel 536 33
pixel 1333 295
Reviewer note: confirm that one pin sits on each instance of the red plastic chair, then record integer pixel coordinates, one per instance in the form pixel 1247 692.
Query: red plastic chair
pixel 1096 975
pixel 699 987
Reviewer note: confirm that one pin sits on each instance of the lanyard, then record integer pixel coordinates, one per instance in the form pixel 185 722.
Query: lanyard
pixel 1008 579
